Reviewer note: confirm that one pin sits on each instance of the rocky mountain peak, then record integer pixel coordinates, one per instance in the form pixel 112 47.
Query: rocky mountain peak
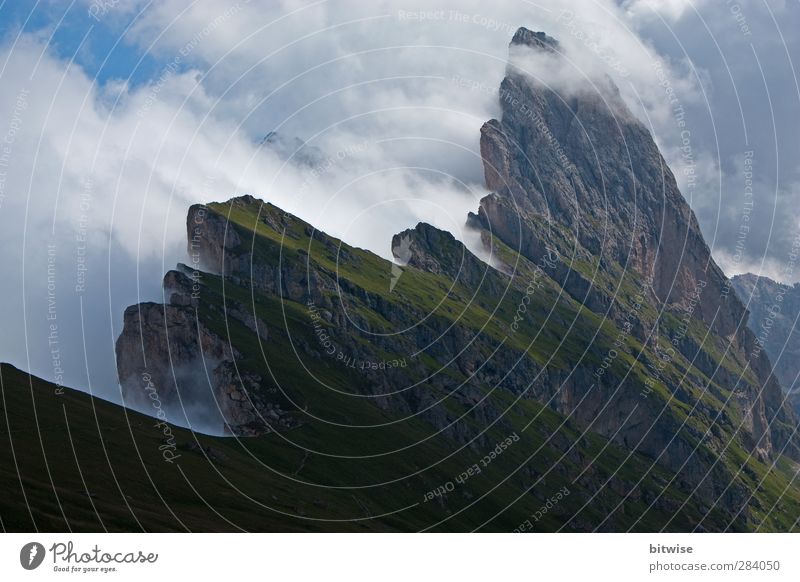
pixel 428 248
pixel 437 251
pixel 535 40
pixel 571 168
pixel 577 158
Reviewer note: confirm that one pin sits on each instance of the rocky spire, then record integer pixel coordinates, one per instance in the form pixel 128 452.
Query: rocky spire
pixel 570 167
pixel 537 40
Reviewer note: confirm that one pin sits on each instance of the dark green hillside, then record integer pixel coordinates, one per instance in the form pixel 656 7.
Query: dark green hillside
pixel 74 463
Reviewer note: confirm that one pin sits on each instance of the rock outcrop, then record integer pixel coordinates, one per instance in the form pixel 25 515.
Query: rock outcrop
pixel 172 365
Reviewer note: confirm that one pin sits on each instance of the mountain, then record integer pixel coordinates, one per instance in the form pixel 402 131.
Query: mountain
pixel 599 375
pixel 576 175
pixel 774 309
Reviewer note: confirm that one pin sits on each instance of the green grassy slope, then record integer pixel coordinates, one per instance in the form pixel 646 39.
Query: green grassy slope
pixel 71 462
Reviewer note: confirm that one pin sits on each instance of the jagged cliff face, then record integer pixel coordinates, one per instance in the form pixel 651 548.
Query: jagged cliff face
pixel 578 158
pixel 168 359
pixel 602 319
pixel 574 170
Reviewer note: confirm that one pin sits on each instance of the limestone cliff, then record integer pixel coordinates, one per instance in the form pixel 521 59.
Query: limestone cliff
pixel 572 169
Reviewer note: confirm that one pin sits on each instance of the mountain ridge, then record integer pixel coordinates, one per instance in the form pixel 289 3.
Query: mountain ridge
pixel 608 310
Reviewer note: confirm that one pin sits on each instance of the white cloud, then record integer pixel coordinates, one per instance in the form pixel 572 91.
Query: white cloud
pixel 734 264
pixel 670 10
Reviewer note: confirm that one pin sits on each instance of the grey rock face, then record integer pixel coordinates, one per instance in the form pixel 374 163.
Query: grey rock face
pixel 172 365
pixel 538 40
pixel 581 159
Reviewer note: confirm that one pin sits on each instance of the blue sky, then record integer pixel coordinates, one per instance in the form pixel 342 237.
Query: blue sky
pixel 98 45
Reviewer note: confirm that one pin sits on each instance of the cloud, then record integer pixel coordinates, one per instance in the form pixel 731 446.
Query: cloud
pixel 734 264
pixel 670 10
pixel 747 53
